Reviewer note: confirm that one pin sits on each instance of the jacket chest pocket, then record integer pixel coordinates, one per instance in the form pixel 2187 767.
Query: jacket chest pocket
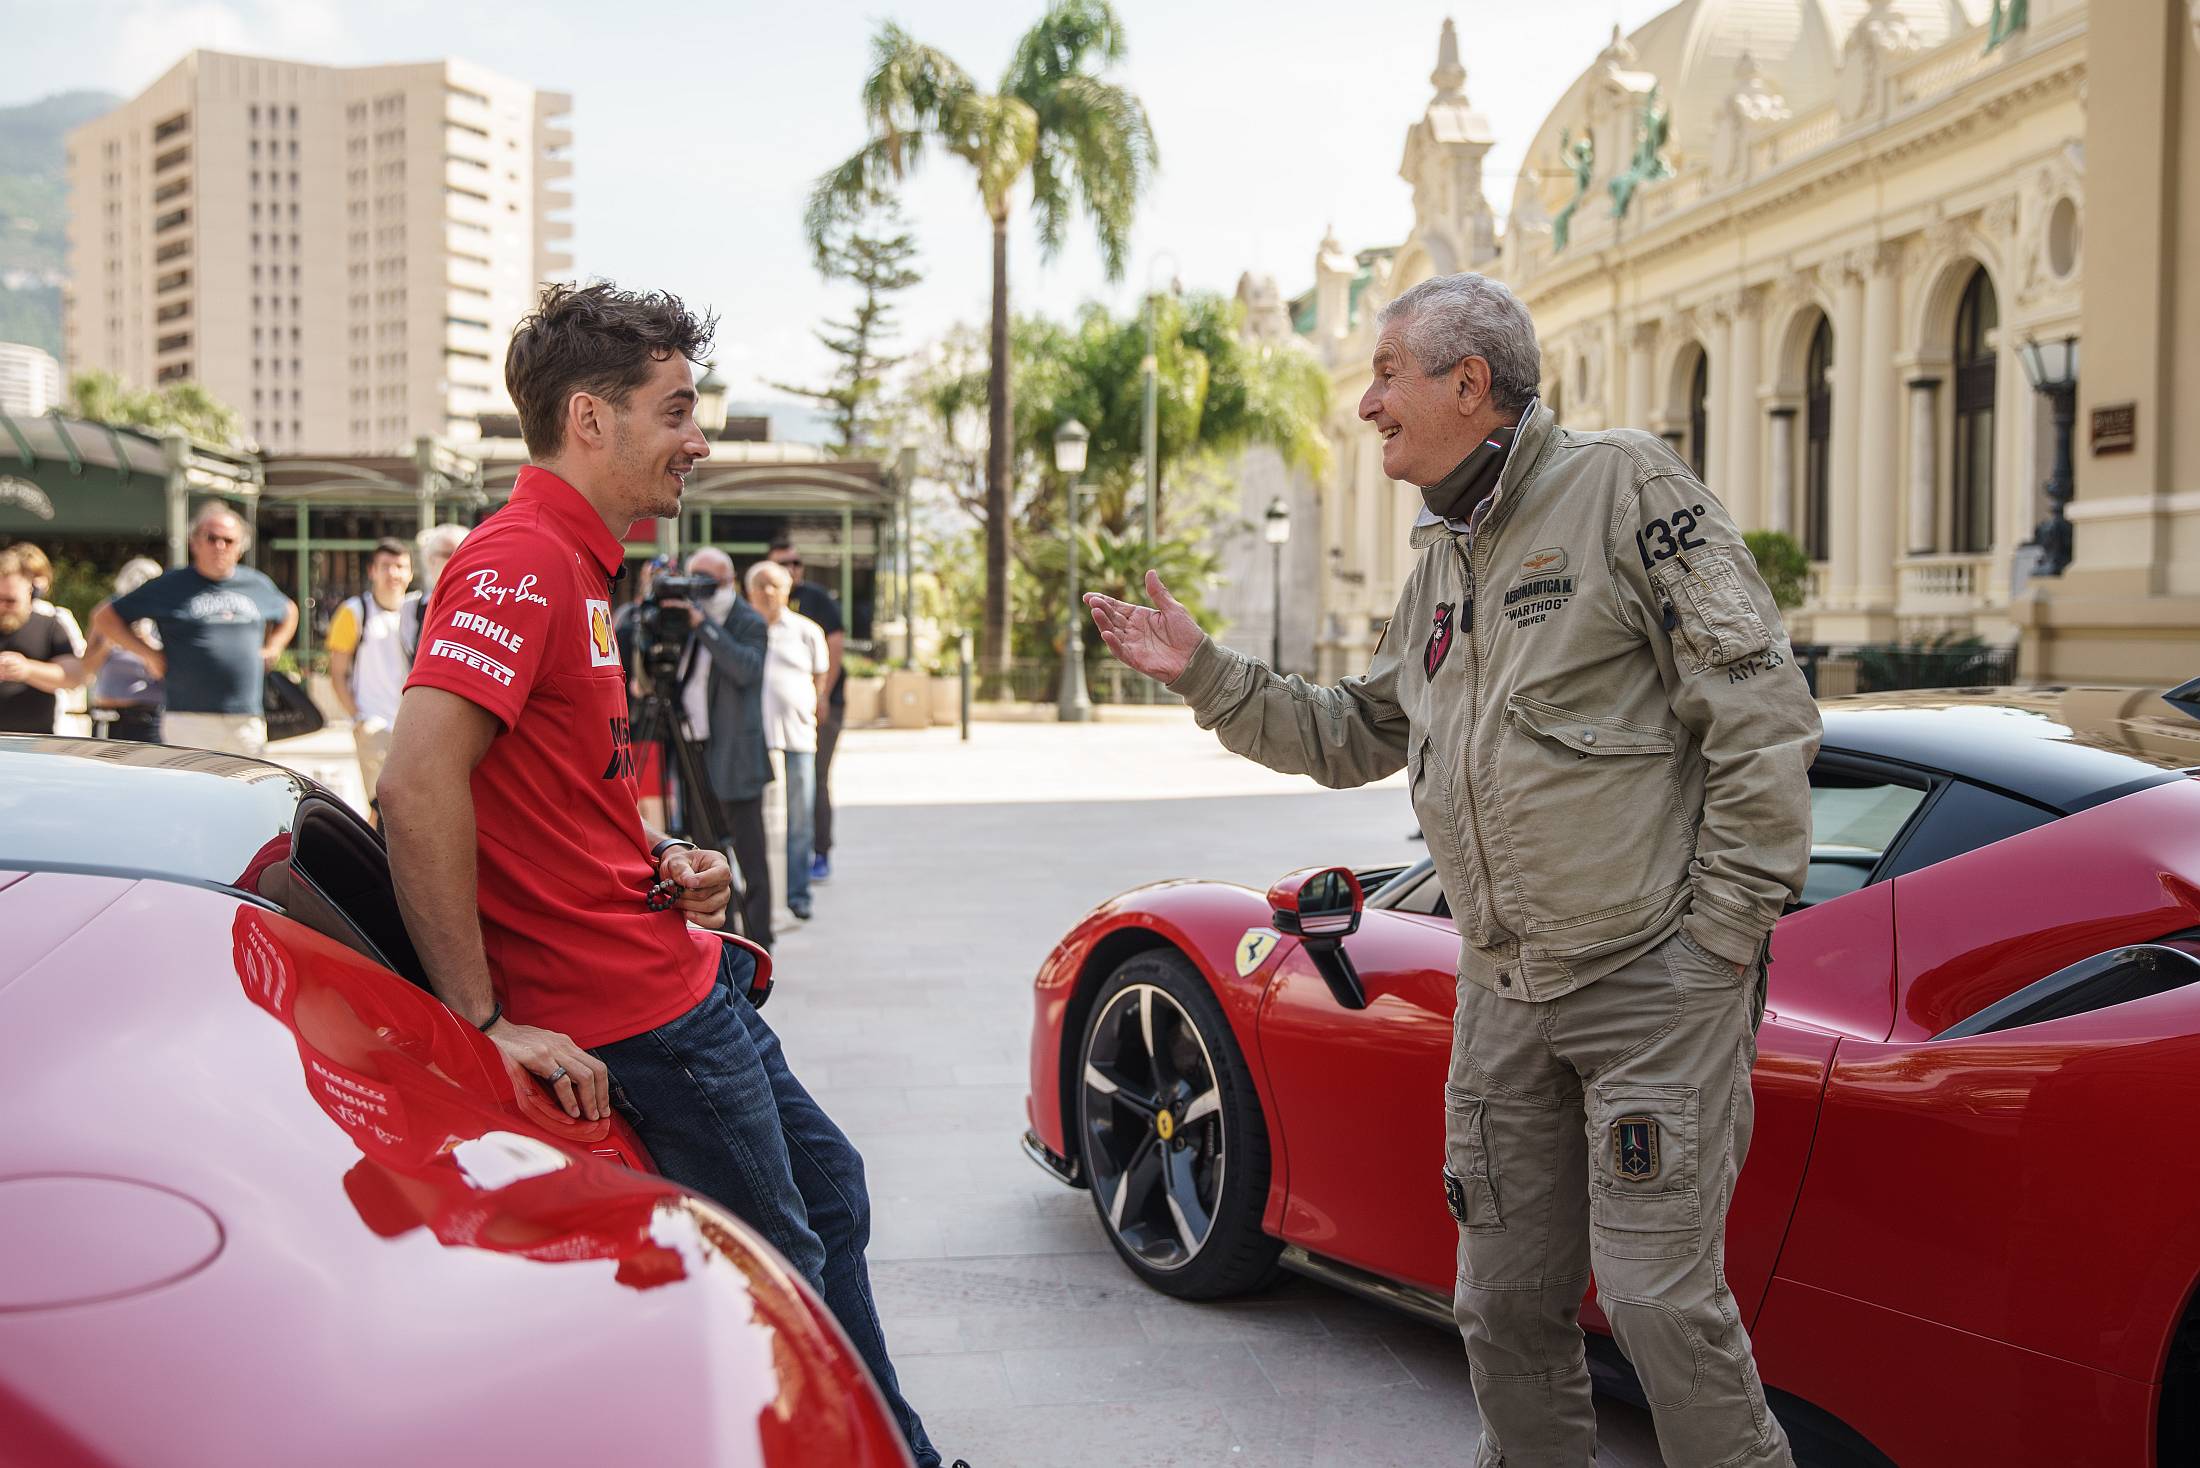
pixel 1713 622
pixel 1589 809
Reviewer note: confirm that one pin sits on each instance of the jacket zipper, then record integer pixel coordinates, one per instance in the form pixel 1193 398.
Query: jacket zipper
pixel 1474 813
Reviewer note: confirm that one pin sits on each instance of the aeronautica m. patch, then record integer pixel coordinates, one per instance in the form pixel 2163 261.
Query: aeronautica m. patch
pixel 1536 595
pixel 1439 641
pixel 1635 1148
pixel 1253 949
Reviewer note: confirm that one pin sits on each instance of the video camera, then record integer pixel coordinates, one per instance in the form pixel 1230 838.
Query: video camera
pixel 664 625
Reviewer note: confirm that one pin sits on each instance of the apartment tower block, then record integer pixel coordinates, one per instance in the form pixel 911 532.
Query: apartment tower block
pixel 339 253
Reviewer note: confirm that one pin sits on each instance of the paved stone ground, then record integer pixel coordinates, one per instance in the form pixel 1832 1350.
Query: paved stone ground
pixel 906 1007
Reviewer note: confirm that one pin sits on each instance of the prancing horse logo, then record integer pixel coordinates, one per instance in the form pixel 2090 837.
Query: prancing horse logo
pixel 1439 641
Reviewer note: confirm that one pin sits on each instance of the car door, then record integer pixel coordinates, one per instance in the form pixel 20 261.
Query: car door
pixel 1358 1094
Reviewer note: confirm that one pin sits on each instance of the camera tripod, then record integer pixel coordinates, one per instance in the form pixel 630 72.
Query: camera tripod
pixel 692 807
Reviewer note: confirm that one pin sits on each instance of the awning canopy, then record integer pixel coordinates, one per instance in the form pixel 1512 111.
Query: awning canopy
pixel 62 476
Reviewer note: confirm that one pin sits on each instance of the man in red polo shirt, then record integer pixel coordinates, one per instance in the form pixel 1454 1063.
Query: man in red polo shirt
pixel 541 907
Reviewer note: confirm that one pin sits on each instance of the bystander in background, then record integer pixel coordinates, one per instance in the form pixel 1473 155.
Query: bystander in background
pixel 722 692
pixel 368 659
pixel 39 567
pixel 222 625
pixel 37 659
pixel 126 695
pixel 436 545
pixel 822 607
pixel 795 666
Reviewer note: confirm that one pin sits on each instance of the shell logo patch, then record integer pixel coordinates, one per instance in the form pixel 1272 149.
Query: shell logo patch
pixel 603 649
pixel 1544 562
pixel 1253 949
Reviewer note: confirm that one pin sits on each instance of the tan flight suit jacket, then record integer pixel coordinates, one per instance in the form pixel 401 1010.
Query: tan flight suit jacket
pixel 1603 726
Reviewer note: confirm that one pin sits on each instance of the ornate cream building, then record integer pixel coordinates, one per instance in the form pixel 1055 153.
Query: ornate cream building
pixel 1805 240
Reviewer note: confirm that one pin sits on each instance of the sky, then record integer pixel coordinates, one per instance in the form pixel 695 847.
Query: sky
pixel 699 128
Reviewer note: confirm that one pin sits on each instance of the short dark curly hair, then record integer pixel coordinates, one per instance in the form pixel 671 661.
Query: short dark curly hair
pixel 595 339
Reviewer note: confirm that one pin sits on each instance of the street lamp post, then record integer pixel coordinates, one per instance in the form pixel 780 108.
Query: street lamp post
pixel 1072 705
pixel 1276 527
pixel 2053 370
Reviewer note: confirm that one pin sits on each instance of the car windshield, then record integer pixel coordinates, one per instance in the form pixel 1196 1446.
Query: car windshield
pixel 142 810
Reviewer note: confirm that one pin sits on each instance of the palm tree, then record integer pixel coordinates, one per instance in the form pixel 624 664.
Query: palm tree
pixel 1077 140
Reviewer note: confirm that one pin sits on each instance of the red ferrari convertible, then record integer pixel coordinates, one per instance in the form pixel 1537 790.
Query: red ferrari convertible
pixel 264 1199
pixel 1968 1230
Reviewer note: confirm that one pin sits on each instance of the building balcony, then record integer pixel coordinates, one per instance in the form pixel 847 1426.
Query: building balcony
pixel 1942 584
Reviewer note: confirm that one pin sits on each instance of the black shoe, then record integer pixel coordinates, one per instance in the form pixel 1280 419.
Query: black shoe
pixel 800 907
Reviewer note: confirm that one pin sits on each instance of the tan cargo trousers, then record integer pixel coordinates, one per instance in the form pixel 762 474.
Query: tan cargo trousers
pixel 1605 1128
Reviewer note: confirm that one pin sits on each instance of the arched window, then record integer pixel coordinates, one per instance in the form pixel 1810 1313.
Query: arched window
pixel 1699 393
pixel 1972 483
pixel 1817 439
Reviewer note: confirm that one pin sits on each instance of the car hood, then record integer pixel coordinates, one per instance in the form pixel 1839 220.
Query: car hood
pixel 272 1189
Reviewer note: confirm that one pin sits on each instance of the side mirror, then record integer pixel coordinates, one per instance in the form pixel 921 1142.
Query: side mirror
pixel 1321 907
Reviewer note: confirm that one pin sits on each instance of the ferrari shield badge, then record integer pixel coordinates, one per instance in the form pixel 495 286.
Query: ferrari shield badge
pixel 1635 1148
pixel 1439 641
pixel 1253 949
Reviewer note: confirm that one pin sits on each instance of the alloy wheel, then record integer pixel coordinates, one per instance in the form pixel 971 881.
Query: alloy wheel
pixel 1154 1141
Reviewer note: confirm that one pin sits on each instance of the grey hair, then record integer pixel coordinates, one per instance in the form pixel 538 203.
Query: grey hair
pixel 214 510
pixel 438 543
pixel 1451 317
pixel 767 570
pixel 714 556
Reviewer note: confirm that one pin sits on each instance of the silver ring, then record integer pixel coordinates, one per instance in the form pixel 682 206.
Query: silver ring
pixel 554 1077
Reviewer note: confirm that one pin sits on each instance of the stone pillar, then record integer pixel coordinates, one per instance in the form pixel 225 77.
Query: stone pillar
pixel 1924 466
pixel 1878 475
pixel 1743 490
pixel 1641 348
pixel 1780 483
pixel 1718 346
pixel 1847 433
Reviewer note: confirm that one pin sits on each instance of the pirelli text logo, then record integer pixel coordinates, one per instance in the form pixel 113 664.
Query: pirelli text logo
pixel 480 662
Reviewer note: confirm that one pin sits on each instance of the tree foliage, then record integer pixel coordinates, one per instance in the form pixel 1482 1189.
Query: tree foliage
pixel 1217 395
pixel 105 398
pixel 1054 123
pixel 874 253
pixel 1784 565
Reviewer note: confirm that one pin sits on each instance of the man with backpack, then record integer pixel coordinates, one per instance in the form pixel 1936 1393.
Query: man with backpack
pixel 369 658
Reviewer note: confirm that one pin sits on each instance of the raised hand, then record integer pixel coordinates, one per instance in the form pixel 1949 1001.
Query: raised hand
pixel 1158 640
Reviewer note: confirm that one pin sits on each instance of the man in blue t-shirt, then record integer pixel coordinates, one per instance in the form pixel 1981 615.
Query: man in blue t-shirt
pixel 221 627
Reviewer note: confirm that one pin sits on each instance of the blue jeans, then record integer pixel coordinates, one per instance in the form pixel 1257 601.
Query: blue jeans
pixel 720 1112
pixel 801 783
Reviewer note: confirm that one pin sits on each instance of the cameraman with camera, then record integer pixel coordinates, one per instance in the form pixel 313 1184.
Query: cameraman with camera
pixel 722 694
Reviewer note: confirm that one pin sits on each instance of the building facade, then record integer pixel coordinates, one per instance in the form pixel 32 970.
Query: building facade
pixel 1806 242
pixel 340 253
pixel 30 380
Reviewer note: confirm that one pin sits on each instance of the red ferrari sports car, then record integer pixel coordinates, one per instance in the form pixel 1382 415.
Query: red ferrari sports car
pixel 1968 1230
pixel 264 1199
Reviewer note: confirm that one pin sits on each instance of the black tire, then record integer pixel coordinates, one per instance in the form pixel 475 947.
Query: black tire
pixel 1156 1181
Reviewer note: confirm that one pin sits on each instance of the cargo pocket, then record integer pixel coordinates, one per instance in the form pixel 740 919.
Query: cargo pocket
pixel 1644 1201
pixel 1468 1191
pixel 1713 620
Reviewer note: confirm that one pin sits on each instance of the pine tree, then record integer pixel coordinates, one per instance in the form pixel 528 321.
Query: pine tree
pixel 878 264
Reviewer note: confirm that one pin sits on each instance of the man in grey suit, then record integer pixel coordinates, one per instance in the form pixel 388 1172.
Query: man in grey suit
pixel 722 691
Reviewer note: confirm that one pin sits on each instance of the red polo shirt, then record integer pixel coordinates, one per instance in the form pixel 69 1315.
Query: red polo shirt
pixel 520 624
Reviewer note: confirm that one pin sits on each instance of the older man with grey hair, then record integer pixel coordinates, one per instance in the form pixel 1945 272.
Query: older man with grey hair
pixel 222 625
pixel 1608 745
pixel 722 694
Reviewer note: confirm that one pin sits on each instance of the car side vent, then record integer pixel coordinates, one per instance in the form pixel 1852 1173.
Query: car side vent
pixel 2115 977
